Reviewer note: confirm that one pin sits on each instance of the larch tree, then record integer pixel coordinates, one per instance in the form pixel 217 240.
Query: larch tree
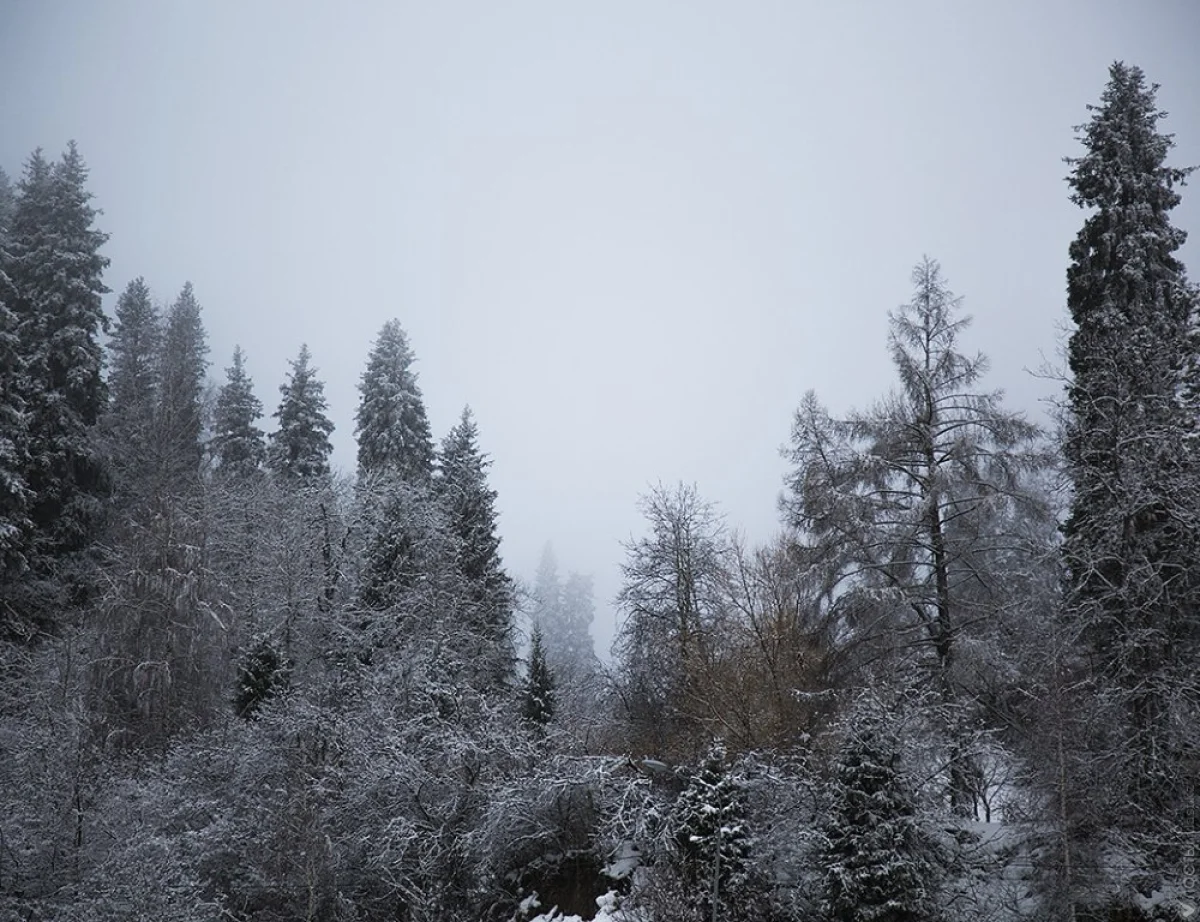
pixel 913 504
pixel 391 426
pixel 1132 538
pixel 238 444
pixel 299 449
pixel 55 269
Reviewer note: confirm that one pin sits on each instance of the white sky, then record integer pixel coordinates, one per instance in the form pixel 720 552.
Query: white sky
pixel 630 234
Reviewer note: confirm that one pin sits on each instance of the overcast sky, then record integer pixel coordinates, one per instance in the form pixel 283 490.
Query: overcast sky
pixel 630 235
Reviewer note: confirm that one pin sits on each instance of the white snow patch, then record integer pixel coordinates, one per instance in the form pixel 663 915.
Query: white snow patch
pixel 607 912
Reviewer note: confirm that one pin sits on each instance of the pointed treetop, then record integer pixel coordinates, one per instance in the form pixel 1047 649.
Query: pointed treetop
pixel 237 442
pixel 300 448
pixel 459 455
pixel 470 504
pixel 539 697
pixel 134 354
pixel 392 428
pixel 1126 153
pixel 183 375
pixel 55 286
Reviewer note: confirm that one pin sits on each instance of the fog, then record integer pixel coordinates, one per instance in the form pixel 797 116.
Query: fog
pixel 629 235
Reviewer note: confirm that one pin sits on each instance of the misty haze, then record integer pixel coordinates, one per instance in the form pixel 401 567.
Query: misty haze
pixel 633 462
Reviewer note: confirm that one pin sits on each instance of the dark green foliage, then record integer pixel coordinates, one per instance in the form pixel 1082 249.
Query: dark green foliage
pixel 8 203
pixel 54 268
pixel 182 372
pixel 712 842
pixel 1131 305
pixel 386 764
pixel 134 355
pixel 299 449
pixel 1132 538
pixel 134 449
pixel 15 495
pixel 237 443
pixel 391 425
pixel 470 505
pixel 876 862
pixel 538 696
pixel 263 673
pixel 405 544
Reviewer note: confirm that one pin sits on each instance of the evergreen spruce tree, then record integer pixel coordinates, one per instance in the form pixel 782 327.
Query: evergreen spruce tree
pixel 263 673
pixel 877 862
pixel 470 506
pixel 1132 538
pixel 569 643
pixel 55 270
pixel 183 369
pixel 547 592
pixel 391 426
pixel 712 841
pixel 134 351
pixel 408 543
pixel 15 495
pixel 237 443
pixel 299 449
pixel 538 695
pixel 8 204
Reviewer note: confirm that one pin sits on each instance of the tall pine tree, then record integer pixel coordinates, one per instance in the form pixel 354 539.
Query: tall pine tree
pixel 391 425
pixel 299 449
pixel 237 443
pixel 134 353
pixel 1132 538
pixel 15 495
pixel 181 389
pixel 133 383
pixel 569 644
pixel 547 591
pixel 470 505
pixel 55 269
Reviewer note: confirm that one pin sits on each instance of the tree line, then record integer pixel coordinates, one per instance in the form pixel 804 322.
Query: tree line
pixel 959 684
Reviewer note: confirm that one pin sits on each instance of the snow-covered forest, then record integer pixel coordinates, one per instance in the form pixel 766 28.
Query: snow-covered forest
pixel 961 683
